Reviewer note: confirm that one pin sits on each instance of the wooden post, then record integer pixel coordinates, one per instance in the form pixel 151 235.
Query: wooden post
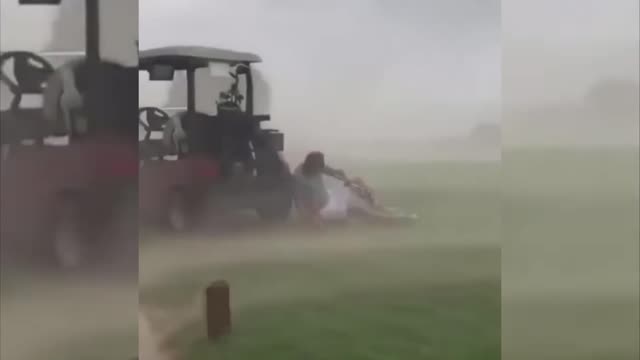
pixel 218 310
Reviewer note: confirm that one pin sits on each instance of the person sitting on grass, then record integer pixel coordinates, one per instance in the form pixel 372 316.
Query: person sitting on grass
pixel 322 193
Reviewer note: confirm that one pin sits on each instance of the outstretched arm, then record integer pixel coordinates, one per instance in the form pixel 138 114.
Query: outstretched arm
pixel 336 173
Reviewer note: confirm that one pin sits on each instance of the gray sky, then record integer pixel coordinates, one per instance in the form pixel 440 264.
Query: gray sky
pixel 37 28
pixel 428 67
pixel 553 50
pixel 40 28
pixel 14 18
pixel 446 53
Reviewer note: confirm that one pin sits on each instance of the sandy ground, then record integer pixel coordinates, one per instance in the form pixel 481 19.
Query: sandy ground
pixel 53 316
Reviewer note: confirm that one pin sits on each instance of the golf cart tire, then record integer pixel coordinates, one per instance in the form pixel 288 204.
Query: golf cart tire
pixel 180 217
pixel 122 240
pixel 276 207
pixel 68 239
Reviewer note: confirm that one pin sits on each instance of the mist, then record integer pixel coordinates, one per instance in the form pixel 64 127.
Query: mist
pixel 348 75
pixel 570 72
pixel 48 315
pixel 51 29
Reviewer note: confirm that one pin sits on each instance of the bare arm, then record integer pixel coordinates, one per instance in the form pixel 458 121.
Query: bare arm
pixel 336 173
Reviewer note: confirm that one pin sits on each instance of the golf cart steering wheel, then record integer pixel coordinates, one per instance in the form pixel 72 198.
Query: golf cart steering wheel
pixel 30 71
pixel 156 118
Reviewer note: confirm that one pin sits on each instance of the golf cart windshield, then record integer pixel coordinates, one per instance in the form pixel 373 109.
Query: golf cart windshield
pixel 228 77
pixel 219 87
pixel 216 79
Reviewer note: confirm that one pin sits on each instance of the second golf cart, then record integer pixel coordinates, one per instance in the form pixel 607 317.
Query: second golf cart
pixel 209 162
pixel 70 205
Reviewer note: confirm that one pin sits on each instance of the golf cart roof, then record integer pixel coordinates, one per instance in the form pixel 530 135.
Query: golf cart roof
pixel 184 57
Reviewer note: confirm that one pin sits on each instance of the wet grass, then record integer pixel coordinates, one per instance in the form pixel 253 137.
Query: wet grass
pixel 428 291
pixel 570 254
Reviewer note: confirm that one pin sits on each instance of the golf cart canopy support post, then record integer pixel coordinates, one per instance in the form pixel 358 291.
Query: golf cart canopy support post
pixel 92 37
pixel 191 90
pixel 249 79
pixel 92 25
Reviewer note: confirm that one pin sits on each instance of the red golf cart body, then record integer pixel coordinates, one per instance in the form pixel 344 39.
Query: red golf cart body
pixel 88 180
pixel 200 178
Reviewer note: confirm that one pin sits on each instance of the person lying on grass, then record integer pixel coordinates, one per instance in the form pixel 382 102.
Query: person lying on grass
pixel 322 193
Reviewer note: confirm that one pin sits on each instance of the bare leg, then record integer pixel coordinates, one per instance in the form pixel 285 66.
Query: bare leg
pixel 5 151
pixel 366 207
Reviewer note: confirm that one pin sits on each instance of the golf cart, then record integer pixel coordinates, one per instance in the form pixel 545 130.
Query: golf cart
pixel 71 203
pixel 225 161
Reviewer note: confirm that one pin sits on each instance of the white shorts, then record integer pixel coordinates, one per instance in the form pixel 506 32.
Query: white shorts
pixel 341 200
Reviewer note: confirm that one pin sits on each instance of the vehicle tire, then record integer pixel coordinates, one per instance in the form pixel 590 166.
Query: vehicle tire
pixel 122 241
pixel 179 217
pixel 69 239
pixel 276 205
pixel 275 178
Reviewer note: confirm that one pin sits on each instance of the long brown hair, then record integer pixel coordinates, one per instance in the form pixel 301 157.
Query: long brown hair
pixel 313 163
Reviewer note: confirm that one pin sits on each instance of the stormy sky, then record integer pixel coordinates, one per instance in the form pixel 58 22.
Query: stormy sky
pixel 404 68
pixel 554 50
pixel 61 28
pixel 445 52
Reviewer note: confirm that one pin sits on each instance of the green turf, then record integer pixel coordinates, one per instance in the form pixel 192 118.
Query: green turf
pixel 419 303
pixel 570 254
pixel 568 225
pixel 438 322
pixel 568 222
pixel 325 276
pixel 433 293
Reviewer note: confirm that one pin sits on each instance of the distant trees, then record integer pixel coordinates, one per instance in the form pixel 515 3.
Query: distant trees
pixel 487 132
pixel 614 98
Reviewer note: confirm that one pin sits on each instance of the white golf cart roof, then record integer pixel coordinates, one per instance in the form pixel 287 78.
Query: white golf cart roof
pixel 183 57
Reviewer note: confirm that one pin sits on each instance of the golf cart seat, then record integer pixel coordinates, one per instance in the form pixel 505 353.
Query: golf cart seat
pixel 30 70
pixel 30 74
pixel 155 120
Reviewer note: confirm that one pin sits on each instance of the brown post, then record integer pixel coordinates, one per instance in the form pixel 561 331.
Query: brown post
pixel 218 310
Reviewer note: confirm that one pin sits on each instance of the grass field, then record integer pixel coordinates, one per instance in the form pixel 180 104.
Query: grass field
pixel 568 225
pixel 430 291
pixel 558 246
pixel 570 254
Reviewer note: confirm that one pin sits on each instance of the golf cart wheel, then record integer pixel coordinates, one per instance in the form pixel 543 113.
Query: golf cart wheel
pixel 122 235
pixel 179 216
pixel 276 207
pixel 69 240
pixel 275 178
